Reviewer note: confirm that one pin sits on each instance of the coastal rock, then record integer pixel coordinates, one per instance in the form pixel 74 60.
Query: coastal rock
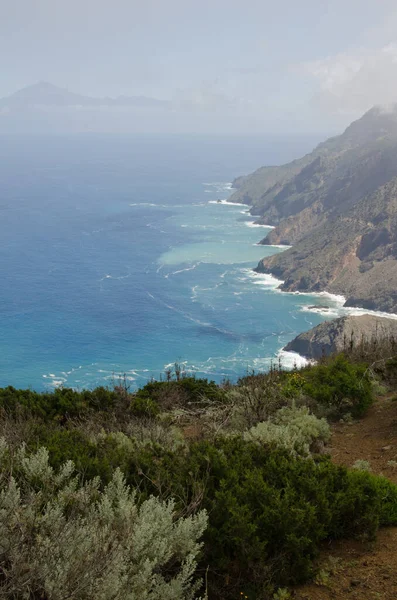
pixel 335 336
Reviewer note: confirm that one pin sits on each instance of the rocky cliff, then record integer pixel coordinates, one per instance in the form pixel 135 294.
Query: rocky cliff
pixel 335 336
pixel 337 207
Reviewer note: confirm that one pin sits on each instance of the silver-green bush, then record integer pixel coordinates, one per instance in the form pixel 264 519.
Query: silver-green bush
pixel 293 429
pixel 63 540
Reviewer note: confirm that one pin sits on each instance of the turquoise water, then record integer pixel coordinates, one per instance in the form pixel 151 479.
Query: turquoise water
pixel 117 258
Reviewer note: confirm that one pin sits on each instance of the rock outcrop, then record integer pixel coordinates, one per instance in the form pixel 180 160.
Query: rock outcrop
pixel 335 336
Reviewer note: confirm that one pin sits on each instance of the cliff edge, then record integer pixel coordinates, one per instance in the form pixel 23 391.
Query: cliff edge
pixel 335 336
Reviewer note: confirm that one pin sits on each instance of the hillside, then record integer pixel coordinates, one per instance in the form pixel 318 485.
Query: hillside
pixel 353 253
pixel 189 486
pixel 337 207
pixel 353 568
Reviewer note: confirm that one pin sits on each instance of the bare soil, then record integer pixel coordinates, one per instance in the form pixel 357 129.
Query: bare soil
pixel 352 569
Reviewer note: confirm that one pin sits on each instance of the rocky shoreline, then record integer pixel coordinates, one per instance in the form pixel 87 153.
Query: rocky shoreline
pixel 340 334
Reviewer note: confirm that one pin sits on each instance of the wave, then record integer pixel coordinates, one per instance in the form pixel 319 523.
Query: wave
pixel 343 311
pixel 226 202
pixel 236 364
pixel 54 381
pixel 290 360
pixel 281 246
pixel 182 270
pixel 264 279
pixel 338 298
pixel 107 276
pixel 151 204
pixel 253 224
pixel 228 185
pixel 356 311
pixel 337 301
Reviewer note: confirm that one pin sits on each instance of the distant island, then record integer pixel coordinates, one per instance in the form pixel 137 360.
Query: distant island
pixel 47 94
pixel 337 207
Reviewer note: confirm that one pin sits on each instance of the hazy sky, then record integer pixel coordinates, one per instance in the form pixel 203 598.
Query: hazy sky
pixel 243 65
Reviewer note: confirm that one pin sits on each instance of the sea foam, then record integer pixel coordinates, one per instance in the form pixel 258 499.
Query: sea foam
pixel 290 360
pixel 253 224
pixel 226 202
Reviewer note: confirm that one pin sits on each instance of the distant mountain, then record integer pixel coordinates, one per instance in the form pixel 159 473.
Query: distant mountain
pixel 47 94
pixel 337 207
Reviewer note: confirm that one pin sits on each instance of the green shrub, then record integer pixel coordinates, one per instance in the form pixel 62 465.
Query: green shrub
pixel 341 385
pixel 294 384
pixel 92 457
pixel 389 370
pixel 62 403
pixel 268 511
pixel 144 407
pixel 269 506
pixel 364 503
pixel 185 391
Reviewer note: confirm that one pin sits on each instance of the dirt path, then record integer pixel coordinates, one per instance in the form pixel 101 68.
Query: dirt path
pixel 349 569
pixel 373 439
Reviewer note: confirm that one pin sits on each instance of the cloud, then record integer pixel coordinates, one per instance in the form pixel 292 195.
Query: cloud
pixel 354 81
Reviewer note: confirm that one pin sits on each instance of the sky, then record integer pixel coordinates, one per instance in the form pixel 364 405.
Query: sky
pixel 239 66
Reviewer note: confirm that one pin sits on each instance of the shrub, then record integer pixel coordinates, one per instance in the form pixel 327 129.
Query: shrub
pixel 389 369
pixel 362 465
pixel 255 402
pixel 92 456
pixel 268 510
pixel 364 503
pixel 185 391
pixel 294 384
pixel 144 407
pixel 62 403
pixel 62 540
pixel 341 385
pixel 269 506
pixel 293 429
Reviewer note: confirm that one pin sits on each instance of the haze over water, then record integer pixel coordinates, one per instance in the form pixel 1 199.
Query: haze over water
pixel 117 258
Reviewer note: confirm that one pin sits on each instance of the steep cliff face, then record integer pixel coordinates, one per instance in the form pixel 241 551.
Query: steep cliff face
pixel 337 207
pixel 264 188
pixel 337 335
pixel 353 253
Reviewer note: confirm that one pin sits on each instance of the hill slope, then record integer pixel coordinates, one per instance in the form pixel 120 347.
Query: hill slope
pixel 338 208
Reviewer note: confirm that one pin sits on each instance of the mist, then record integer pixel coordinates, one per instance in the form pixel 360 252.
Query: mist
pixel 230 68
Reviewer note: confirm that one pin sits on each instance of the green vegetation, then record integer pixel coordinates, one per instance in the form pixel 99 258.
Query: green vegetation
pixel 183 488
pixel 341 385
pixel 62 539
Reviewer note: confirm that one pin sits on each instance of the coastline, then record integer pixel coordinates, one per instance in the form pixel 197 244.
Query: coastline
pixel 334 311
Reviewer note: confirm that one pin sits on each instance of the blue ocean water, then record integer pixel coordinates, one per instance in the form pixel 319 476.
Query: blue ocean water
pixel 117 258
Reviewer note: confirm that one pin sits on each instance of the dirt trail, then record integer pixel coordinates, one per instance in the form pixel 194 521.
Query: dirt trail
pixel 350 569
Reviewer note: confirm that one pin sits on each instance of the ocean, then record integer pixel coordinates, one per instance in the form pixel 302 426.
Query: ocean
pixel 117 258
